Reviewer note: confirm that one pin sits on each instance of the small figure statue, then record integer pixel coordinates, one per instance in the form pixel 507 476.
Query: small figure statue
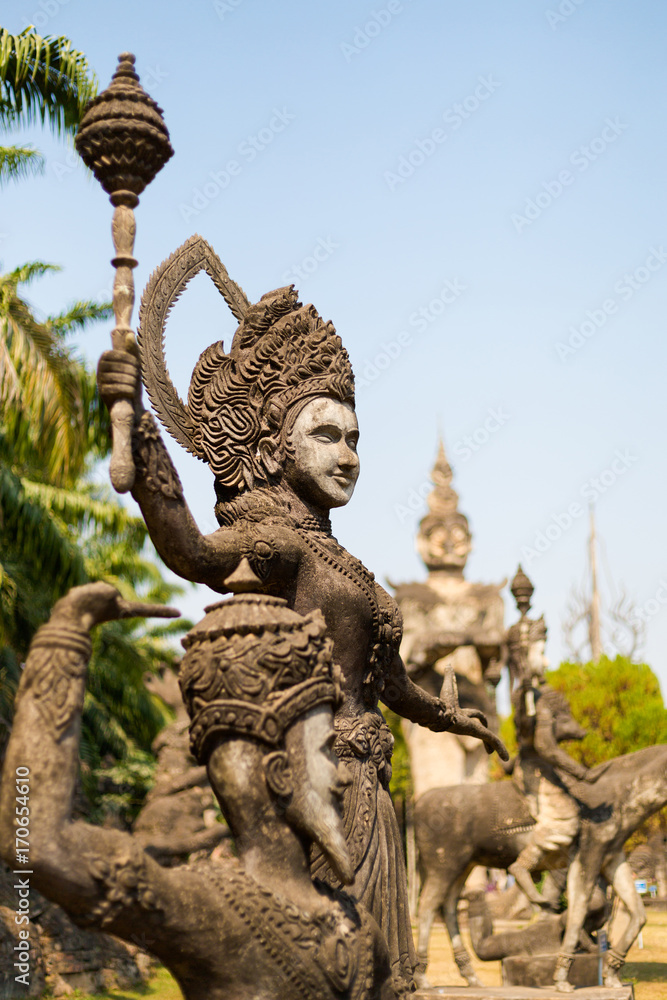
pixel 543 937
pixel 258 684
pixel 274 418
pixel 540 713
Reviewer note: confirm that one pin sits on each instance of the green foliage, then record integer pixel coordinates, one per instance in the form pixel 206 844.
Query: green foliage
pixel 19 162
pixel 617 701
pixel 507 734
pixel 401 775
pixel 50 411
pixel 43 79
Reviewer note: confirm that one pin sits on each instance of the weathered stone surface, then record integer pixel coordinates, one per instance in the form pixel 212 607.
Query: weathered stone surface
pixel 538 970
pixel 62 956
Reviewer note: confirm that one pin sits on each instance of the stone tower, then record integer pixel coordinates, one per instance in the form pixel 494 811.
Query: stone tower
pixel 450 622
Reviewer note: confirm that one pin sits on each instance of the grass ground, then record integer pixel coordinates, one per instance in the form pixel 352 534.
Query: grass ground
pixel 646 968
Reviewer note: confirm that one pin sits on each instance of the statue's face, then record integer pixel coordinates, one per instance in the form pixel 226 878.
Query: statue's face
pixel 445 545
pixel 324 466
pixel 319 780
pixel 537 660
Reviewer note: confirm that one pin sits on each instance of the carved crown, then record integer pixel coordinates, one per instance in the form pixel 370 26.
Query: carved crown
pixel 252 667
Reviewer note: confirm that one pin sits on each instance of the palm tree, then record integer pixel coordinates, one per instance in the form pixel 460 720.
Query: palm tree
pixel 41 79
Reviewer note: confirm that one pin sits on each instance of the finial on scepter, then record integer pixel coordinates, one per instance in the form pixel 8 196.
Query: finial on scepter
pixel 123 139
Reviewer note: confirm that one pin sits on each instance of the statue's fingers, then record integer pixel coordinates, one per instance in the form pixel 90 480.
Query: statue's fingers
pixel 476 713
pixel 497 744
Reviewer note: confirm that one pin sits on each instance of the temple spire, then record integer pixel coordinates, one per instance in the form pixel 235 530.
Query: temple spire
pixel 444 539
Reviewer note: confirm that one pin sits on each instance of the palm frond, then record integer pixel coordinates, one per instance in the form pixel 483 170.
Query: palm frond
pixel 79 316
pixel 43 79
pixel 19 162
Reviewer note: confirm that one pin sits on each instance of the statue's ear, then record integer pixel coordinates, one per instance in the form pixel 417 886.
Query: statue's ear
pixel 278 773
pixel 270 457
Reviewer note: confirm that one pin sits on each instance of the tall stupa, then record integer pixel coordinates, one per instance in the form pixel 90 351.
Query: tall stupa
pixel 450 622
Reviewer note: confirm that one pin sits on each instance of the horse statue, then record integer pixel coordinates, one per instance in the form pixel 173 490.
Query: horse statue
pixel 462 826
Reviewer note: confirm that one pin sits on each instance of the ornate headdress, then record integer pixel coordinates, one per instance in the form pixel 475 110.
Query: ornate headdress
pixel 251 668
pixel 281 353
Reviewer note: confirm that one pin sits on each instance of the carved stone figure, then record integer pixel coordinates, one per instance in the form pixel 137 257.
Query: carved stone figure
pixel 494 825
pixel 542 720
pixel 449 624
pixel 274 419
pixel 529 954
pixel 542 937
pixel 460 827
pixel 258 684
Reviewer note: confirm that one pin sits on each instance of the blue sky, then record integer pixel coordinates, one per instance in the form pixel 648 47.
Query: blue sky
pixel 474 192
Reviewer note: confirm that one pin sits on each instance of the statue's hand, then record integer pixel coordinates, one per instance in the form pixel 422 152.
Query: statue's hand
pixel 470 722
pixel 118 376
pixel 98 602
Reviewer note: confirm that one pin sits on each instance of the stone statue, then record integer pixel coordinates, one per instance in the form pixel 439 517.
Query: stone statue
pixel 450 624
pixel 542 937
pixel 258 683
pixel 459 827
pixel 274 418
pixel 493 825
pixel 542 719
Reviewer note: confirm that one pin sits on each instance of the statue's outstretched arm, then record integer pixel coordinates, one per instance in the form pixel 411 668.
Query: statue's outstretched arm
pixel 406 698
pixel 157 488
pixel 101 877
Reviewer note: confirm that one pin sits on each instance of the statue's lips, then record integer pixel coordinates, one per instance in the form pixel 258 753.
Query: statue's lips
pixel 343 480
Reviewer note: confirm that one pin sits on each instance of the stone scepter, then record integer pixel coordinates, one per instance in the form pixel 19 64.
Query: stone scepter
pixel 123 139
